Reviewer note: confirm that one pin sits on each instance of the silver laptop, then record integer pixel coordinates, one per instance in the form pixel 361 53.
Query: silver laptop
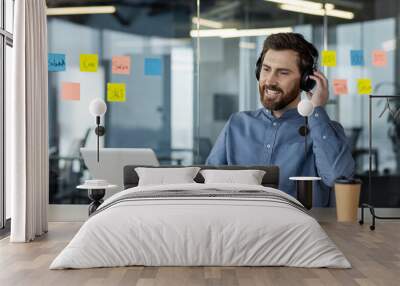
pixel 113 160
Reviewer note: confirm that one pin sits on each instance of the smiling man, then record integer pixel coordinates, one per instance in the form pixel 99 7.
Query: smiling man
pixel 270 135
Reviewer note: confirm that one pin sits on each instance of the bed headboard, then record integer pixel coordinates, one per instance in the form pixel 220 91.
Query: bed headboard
pixel 270 179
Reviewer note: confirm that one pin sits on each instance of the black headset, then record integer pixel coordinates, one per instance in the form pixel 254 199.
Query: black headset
pixel 306 83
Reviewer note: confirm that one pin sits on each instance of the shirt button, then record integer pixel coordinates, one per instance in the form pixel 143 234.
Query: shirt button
pixel 268 146
pixel 274 124
pixel 316 114
pixel 324 137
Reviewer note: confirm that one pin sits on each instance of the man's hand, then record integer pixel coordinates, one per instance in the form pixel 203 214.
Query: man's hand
pixel 320 95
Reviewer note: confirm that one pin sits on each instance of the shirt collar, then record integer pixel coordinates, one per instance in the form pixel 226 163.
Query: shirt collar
pixel 288 114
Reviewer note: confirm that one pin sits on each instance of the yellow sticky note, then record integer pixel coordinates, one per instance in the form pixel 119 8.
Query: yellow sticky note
pixel 329 58
pixel 88 62
pixel 364 86
pixel 116 92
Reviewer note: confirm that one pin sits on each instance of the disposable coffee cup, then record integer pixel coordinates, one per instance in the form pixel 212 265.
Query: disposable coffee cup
pixel 347 194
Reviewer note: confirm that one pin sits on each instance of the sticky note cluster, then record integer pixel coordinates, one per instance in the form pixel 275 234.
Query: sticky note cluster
pixel 379 58
pixel 357 58
pixel 89 63
pixel 364 86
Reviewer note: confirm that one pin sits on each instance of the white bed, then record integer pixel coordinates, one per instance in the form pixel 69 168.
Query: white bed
pixel 188 231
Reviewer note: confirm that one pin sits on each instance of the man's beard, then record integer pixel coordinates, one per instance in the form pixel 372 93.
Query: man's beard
pixel 281 100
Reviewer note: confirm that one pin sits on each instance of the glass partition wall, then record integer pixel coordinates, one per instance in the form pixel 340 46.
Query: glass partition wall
pixel 151 41
pixel 192 66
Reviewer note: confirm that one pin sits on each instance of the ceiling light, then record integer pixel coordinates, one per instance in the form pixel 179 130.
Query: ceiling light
pixel 329 6
pixel 256 32
pixel 80 10
pixel 319 12
pixel 207 23
pixel 234 33
pixel 209 33
pixel 299 3
pixel 340 14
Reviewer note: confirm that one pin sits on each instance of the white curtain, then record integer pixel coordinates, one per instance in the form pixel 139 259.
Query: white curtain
pixel 27 121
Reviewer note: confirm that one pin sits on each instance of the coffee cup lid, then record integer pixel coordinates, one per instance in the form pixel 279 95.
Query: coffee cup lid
pixel 345 180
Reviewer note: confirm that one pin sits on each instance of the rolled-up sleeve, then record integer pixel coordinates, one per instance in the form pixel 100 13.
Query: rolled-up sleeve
pixel 332 152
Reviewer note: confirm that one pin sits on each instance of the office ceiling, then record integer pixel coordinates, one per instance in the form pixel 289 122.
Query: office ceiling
pixel 168 18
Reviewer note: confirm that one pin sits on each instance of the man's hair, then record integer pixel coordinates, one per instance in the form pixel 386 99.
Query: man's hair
pixel 308 54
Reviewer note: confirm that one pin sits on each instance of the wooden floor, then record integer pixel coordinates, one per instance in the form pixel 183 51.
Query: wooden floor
pixel 375 257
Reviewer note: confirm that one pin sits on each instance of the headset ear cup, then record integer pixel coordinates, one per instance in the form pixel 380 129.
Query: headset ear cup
pixel 303 81
pixel 306 82
pixel 258 69
pixel 310 83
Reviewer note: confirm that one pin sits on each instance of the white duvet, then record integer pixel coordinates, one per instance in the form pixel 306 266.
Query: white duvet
pixel 200 231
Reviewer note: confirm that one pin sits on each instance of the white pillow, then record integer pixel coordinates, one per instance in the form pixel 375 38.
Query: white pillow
pixel 248 177
pixel 163 176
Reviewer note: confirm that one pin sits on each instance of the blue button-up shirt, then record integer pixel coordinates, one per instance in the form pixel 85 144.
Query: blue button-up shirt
pixel 259 138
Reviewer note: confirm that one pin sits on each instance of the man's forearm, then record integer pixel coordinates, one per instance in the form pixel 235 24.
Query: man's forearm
pixel 332 152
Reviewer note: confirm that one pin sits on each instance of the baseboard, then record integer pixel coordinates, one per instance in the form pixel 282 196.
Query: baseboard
pixel 67 213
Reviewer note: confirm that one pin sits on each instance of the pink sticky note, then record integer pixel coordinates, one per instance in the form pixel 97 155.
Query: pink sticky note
pixel 70 91
pixel 340 86
pixel 379 58
pixel 121 64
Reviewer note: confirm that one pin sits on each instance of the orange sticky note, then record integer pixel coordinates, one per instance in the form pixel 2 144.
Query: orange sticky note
pixel 70 90
pixel 364 86
pixel 116 92
pixel 379 58
pixel 121 64
pixel 340 86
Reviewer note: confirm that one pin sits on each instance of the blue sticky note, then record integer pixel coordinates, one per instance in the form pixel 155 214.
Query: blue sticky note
pixel 357 57
pixel 152 66
pixel 56 62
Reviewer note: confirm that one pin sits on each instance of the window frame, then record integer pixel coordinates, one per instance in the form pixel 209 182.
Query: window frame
pixel 6 39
